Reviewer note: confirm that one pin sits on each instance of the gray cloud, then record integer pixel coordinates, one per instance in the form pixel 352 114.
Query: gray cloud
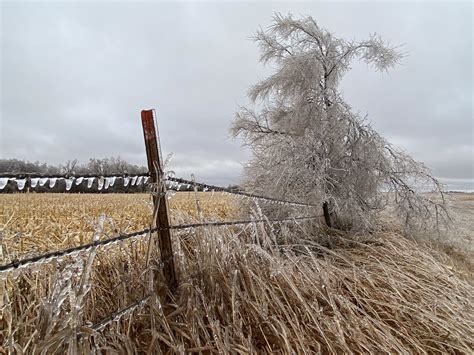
pixel 76 75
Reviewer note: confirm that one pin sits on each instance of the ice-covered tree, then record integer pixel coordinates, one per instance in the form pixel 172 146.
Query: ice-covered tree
pixel 307 142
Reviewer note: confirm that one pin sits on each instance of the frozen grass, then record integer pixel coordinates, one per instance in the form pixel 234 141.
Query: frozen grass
pixel 290 289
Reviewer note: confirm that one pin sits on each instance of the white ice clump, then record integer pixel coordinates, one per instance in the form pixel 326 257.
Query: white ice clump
pixel 34 182
pixel 3 183
pixel 52 182
pixel 101 183
pixel 139 180
pixel 126 180
pixel 112 180
pixel 43 181
pixel 79 180
pixel 20 183
pixel 170 193
pixel 69 184
pixel 90 181
pixel 134 180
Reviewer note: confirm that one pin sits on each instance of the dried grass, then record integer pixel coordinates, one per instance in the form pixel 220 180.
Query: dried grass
pixel 290 289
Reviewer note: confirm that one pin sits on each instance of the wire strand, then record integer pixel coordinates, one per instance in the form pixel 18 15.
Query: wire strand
pixel 203 186
pixel 241 193
pixel 30 261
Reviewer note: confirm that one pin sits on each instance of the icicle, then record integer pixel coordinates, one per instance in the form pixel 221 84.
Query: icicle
pixel 90 181
pixel 3 183
pixel 34 182
pixel 52 182
pixel 20 184
pixel 134 180
pixel 139 180
pixel 106 183
pixel 100 183
pixel 145 180
pixel 79 180
pixel 126 180
pixel 112 180
pixel 69 183
pixel 43 181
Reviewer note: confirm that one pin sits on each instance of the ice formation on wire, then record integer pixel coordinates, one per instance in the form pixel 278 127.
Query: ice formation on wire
pixel 52 182
pixel 69 184
pixel 34 182
pixel 43 181
pixel 20 183
pixel 3 183
pixel 126 181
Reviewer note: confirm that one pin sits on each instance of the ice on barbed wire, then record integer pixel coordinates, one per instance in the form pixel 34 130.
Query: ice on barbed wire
pixel 112 180
pixel 69 184
pixel 52 182
pixel 34 182
pixel 3 182
pixel 79 180
pixel 126 181
pixel 106 183
pixel 100 183
pixel 90 181
pixel 170 193
pixel 134 180
pixel 20 183
pixel 139 180
pixel 145 180
pixel 43 181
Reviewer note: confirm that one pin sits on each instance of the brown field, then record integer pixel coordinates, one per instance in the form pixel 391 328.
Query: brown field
pixel 288 289
pixel 32 223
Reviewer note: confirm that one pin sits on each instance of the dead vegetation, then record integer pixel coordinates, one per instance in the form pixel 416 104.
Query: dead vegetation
pixel 287 289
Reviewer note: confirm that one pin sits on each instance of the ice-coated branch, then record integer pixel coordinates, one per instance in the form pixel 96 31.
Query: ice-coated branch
pixel 307 142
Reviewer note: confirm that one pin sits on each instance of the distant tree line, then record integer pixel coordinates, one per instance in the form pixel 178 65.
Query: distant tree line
pixel 105 166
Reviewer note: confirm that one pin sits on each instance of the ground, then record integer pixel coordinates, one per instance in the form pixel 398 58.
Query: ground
pixel 284 289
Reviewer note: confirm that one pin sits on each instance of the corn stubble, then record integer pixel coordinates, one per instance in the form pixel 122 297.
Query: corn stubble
pixel 286 289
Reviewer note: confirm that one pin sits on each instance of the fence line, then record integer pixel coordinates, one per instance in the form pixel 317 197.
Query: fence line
pixel 66 176
pixel 189 183
pixel 120 313
pixel 207 187
pixel 42 258
pixel 163 228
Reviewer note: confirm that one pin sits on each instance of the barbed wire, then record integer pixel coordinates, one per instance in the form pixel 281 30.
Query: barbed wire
pixel 208 187
pixel 42 258
pixel 119 314
pixel 189 183
pixel 66 176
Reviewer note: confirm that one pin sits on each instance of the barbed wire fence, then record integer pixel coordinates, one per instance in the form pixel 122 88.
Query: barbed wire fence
pixel 154 178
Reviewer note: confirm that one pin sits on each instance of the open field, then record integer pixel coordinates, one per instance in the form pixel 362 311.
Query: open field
pixel 43 222
pixel 289 289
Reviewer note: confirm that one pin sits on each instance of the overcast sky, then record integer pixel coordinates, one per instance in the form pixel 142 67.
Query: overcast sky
pixel 74 77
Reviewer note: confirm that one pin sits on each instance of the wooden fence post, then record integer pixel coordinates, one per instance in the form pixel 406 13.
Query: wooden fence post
pixel 153 153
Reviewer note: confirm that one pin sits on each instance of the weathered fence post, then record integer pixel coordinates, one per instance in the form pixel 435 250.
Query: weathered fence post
pixel 153 153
